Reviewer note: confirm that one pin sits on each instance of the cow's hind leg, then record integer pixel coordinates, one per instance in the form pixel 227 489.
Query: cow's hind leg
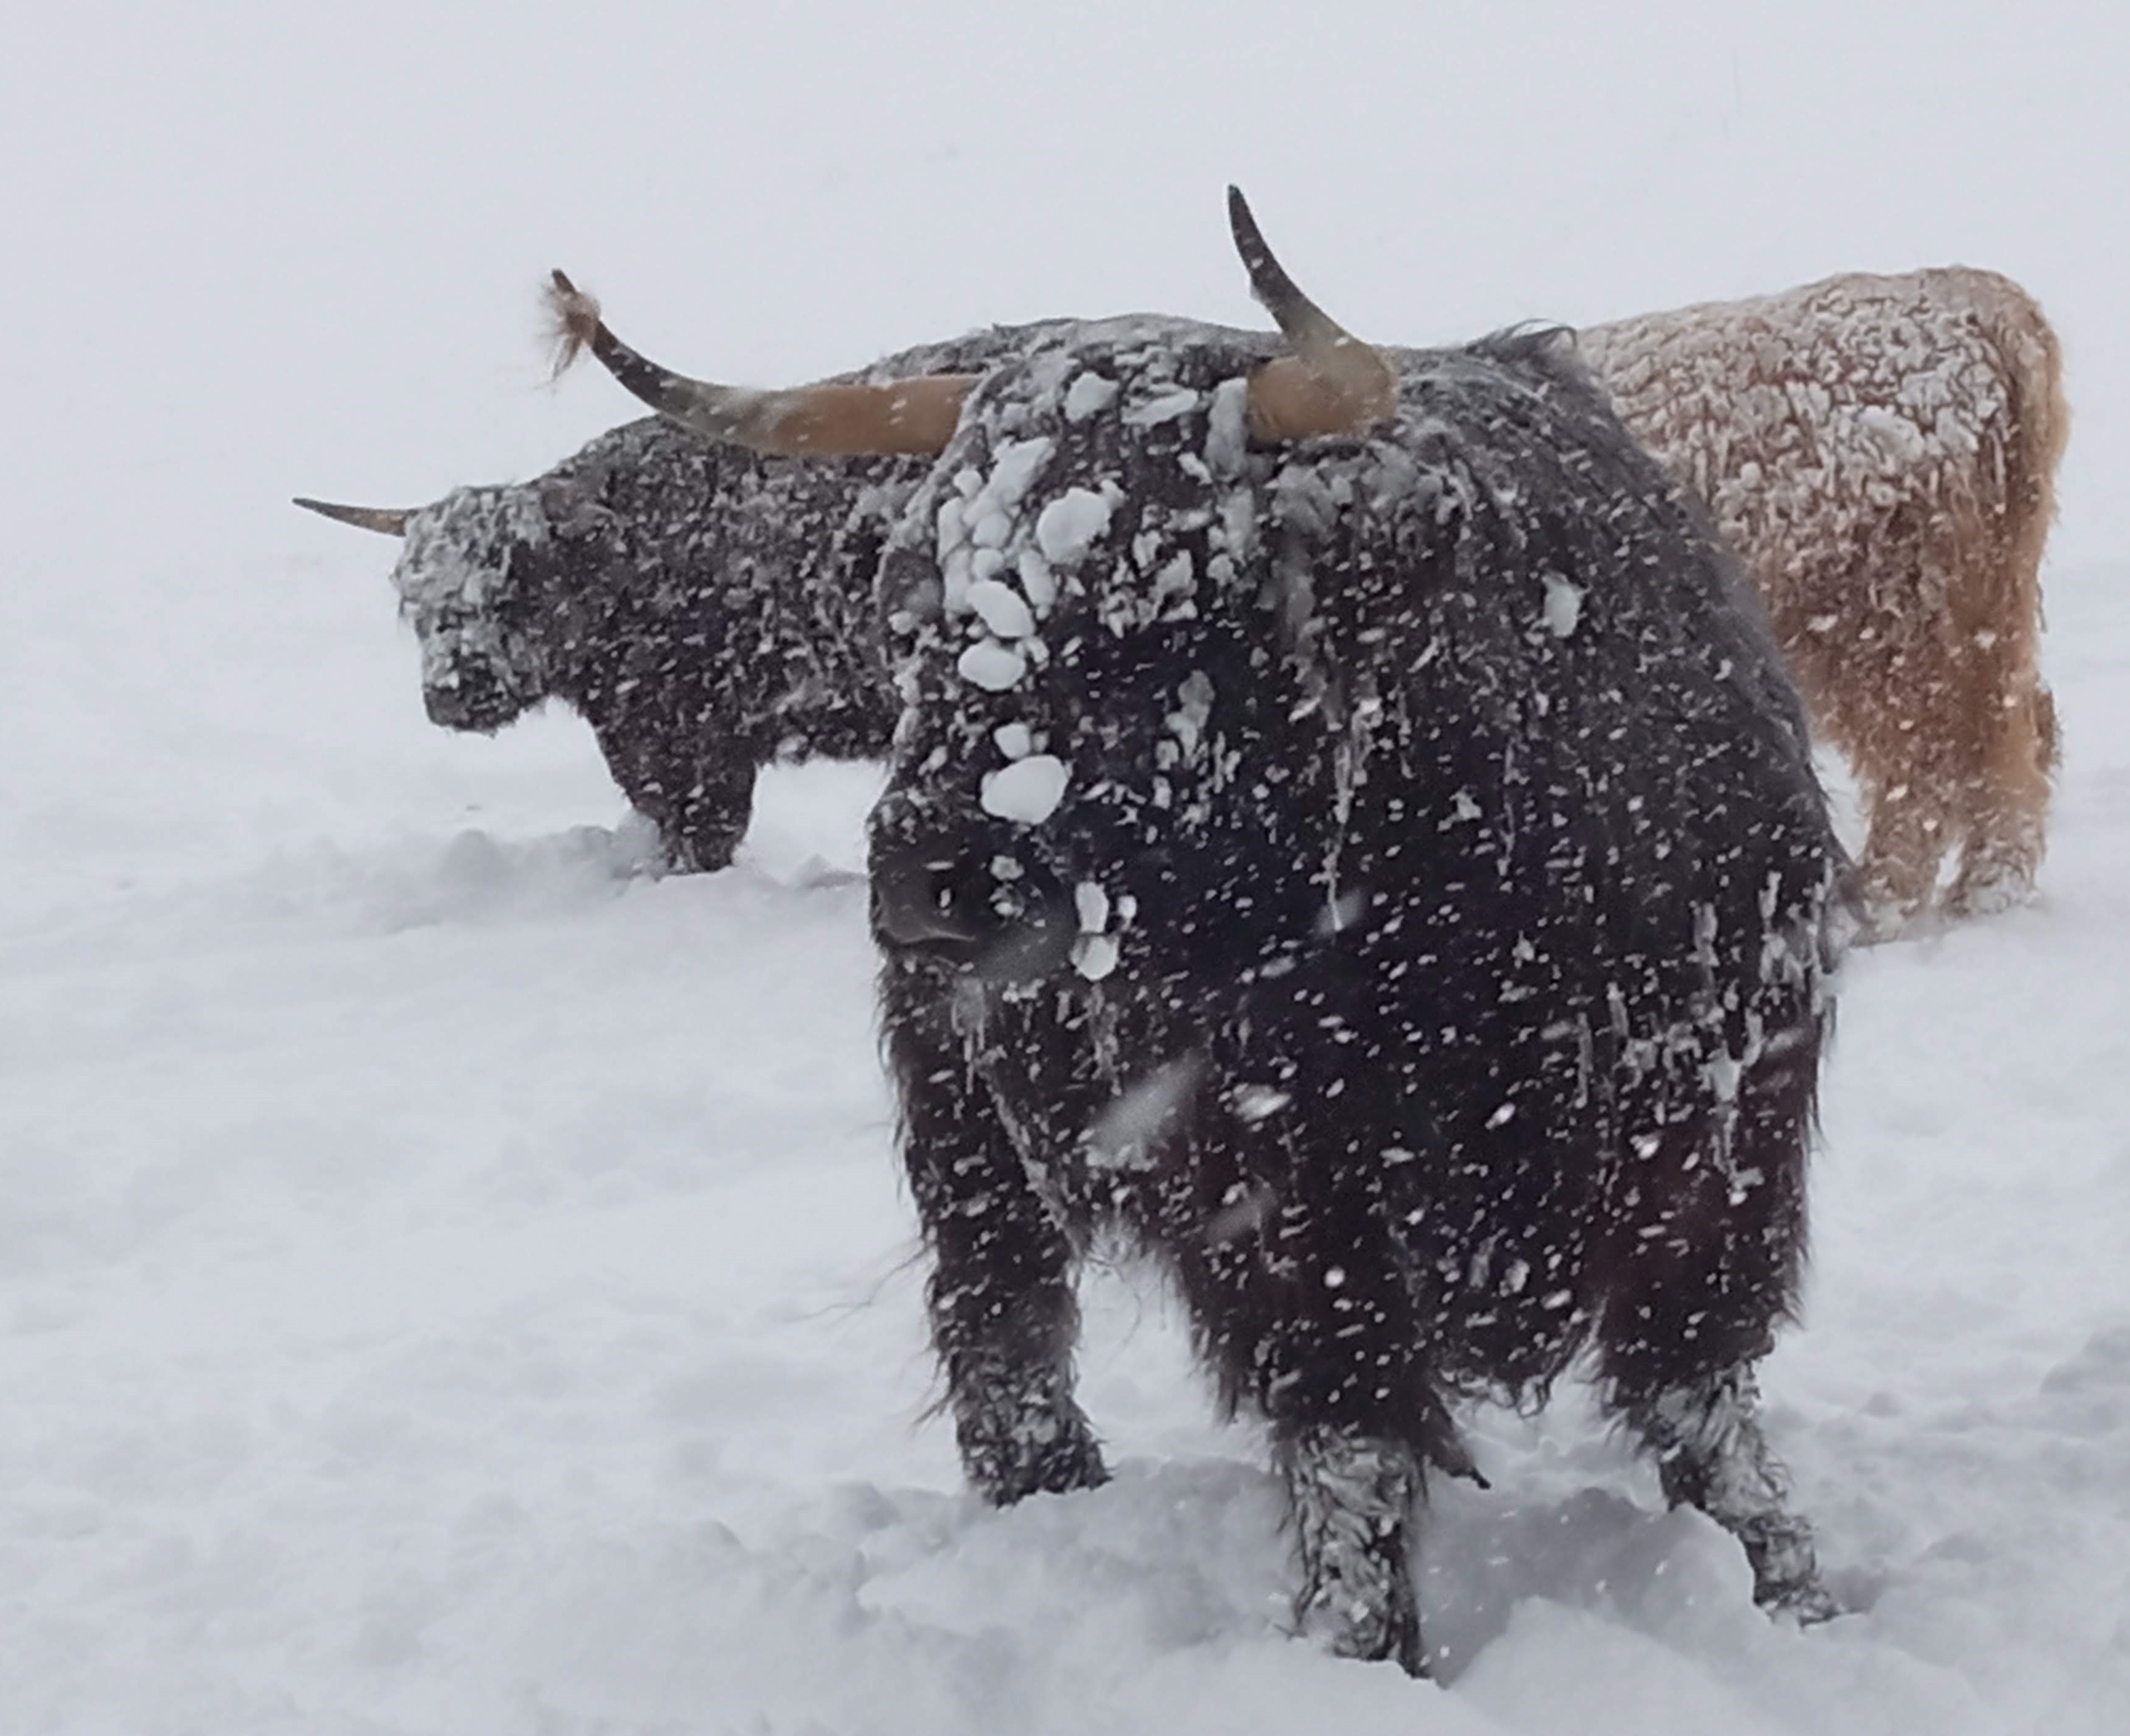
pixel 1705 1273
pixel 1897 874
pixel 1004 1319
pixel 2007 801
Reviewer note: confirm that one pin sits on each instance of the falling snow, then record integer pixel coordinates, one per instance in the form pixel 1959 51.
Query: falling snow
pixel 452 1280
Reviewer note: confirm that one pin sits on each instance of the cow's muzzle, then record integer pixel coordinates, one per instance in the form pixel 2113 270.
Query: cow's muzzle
pixel 952 906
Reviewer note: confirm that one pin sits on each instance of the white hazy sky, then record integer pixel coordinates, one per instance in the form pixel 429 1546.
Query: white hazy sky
pixel 260 249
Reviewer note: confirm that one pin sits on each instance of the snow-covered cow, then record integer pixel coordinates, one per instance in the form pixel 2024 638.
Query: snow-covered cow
pixel 1383 878
pixel 707 609
pixel 1882 451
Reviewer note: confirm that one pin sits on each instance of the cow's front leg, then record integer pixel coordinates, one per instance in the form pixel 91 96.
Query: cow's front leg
pixel 702 808
pixel 1352 1501
pixel 698 791
pixel 1315 1332
pixel 1711 1453
pixel 1004 1319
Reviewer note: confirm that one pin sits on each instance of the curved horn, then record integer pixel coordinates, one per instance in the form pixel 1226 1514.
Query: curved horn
pixel 1334 383
pixel 380 518
pixel 914 415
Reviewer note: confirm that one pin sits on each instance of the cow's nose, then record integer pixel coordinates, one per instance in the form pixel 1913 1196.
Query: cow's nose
pixel 914 899
pixel 942 901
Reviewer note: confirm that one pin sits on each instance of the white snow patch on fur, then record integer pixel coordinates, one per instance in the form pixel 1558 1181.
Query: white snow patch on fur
pixel 1001 607
pixel 1090 394
pixel 1093 904
pixel 1067 528
pixel 1564 606
pixel 1028 790
pixel 1166 408
pixel 1036 582
pixel 1014 467
pixel 1094 956
pixel 991 666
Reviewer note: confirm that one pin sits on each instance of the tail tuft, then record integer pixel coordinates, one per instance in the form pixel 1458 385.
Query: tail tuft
pixel 574 319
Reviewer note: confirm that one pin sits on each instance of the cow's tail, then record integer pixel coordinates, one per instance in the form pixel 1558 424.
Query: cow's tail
pixel 2040 423
pixel 2008 718
pixel 2039 420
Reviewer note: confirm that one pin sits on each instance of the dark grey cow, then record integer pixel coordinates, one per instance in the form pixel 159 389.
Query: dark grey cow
pixel 706 609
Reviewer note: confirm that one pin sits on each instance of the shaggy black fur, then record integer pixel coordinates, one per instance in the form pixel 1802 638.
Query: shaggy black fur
pixel 1427 958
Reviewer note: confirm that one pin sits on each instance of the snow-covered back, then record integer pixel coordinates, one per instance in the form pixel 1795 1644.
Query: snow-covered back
pixel 1901 376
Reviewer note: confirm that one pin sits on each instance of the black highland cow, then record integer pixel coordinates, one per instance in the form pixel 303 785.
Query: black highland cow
pixel 1383 879
pixel 706 609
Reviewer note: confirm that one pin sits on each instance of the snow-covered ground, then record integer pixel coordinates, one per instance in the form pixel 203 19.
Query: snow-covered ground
pixel 449 1283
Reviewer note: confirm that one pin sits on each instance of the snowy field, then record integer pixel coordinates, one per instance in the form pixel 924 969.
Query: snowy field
pixel 450 1283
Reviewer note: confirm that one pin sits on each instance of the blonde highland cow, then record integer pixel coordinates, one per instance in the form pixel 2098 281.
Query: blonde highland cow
pixel 1882 452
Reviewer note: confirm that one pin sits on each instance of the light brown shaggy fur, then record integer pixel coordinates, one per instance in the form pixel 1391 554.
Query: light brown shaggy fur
pixel 1882 452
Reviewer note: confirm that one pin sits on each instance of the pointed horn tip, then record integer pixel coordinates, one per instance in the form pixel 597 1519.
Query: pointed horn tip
pixel 1270 286
pixel 385 521
pixel 570 306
